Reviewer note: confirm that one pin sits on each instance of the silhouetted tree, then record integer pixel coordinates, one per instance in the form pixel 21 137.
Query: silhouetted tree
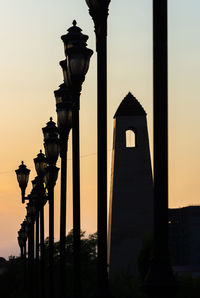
pixel 88 262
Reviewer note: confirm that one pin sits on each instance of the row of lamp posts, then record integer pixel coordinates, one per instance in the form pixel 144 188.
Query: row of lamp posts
pixel 160 280
pixel 55 141
pixel 46 174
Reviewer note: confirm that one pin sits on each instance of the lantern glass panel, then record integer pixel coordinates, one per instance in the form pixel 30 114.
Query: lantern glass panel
pixel 46 134
pixel 22 178
pixel 52 150
pixel 64 118
pixel 76 63
pixel 40 167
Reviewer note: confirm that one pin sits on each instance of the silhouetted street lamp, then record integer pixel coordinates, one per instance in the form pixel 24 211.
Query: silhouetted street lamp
pixel 24 237
pixel 22 178
pixel 29 277
pixel 52 150
pixel 30 217
pixel 77 64
pixel 20 239
pixel 98 10
pixel 64 122
pixel 40 165
pixel 160 281
pixel 35 197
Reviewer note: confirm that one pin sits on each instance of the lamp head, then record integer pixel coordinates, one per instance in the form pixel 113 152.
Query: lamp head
pixel 40 164
pixel 51 142
pixel 63 109
pixel 77 57
pixel 22 177
pixel 51 176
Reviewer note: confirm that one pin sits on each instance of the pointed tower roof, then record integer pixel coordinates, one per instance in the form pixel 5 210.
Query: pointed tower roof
pixel 130 106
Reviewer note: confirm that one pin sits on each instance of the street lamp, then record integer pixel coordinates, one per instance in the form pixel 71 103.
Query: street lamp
pixel 50 177
pixel 52 150
pixel 20 239
pixel 22 178
pixel 35 197
pixel 64 122
pixel 63 109
pixel 24 236
pixel 77 64
pixel 30 217
pixel 51 142
pixel 98 10
pixel 40 165
pixel 77 59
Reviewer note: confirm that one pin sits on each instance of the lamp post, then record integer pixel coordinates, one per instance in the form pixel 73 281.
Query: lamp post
pixel 160 281
pixel 24 235
pixel 64 122
pixel 31 211
pixel 98 10
pixel 21 242
pixel 52 150
pixel 28 231
pixel 40 165
pixel 22 178
pixel 74 71
pixel 36 199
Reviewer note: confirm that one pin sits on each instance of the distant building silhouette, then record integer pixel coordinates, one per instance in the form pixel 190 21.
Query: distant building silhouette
pixel 184 235
pixel 131 194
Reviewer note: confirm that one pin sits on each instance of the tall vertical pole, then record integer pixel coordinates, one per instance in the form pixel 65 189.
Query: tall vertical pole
pixel 51 240
pixel 37 278
pixel 77 42
pixel 42 263
pixel 25 249
pixel 31 261
pixel 160 281
pixel 63 155
pixel 160 126
pixel 76 198
pixel 51 144
pixel 99 12
pixel 25 266
pixel 102 156
pixel 21 252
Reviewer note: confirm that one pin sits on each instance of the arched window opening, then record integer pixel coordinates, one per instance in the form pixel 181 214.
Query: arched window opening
pixel 130 139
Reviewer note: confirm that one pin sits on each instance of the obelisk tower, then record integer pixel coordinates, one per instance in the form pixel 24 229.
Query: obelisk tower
pixel 131 195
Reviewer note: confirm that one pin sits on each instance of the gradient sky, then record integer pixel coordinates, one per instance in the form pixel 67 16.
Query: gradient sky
pixel 31 49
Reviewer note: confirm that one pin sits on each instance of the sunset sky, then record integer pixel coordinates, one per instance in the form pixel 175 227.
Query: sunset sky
pixel 31 49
